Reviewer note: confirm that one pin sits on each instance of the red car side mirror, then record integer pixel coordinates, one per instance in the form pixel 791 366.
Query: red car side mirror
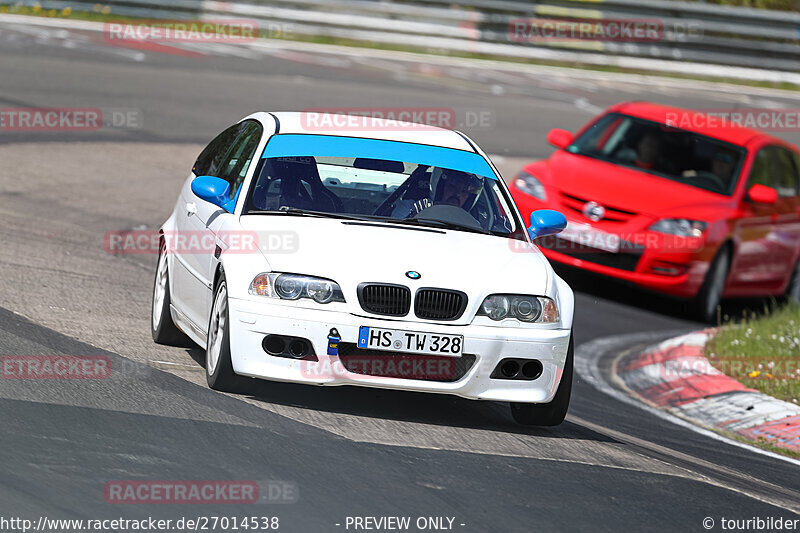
pixel 762 194
pixel 559 138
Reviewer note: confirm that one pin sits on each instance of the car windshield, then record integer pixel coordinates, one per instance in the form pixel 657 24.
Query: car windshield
pixel 662 150
pixel 403 192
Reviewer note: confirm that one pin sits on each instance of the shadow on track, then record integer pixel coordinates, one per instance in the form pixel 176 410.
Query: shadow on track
pixel 402 406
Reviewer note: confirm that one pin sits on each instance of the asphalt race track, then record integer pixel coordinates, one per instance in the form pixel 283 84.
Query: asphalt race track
pixel 347 452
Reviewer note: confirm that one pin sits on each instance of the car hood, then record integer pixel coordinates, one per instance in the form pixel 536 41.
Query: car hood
pixel 624 188
pixel 353 252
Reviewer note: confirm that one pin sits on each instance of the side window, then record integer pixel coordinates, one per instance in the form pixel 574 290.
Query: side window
pixel 239 157
pixel 761 173
pixel 785 172
pixel 208 162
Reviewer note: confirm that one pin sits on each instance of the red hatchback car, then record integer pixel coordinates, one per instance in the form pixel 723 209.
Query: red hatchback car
pixel 701 212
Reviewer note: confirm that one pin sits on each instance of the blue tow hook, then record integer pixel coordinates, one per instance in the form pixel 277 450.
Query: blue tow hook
pixel 333 342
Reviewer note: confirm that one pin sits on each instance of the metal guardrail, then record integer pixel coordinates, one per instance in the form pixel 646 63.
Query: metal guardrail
pixel 694 32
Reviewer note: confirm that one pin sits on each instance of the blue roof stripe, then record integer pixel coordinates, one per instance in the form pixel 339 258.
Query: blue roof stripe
pixel 297 144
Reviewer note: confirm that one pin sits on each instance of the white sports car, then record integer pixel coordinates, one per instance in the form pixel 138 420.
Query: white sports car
pixel 389 255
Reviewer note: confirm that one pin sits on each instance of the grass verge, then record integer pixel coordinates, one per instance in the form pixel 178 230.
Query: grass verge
pixel 762 353
pixel 778 5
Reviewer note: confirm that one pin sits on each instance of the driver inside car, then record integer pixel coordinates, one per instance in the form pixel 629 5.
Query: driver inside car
pixel 648 151
pixel 722 164
pixel 453 187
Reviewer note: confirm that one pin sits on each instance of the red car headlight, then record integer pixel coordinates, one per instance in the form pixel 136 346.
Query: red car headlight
pixel 680 226
pixel 530 185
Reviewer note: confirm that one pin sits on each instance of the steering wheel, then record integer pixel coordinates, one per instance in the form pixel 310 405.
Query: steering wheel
pixel 704 175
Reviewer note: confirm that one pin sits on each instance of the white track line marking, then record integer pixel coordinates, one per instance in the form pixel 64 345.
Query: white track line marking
pixel 586 364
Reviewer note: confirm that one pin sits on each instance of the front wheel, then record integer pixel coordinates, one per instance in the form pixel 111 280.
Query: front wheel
pixel 793 289
pixel 162 328
pixel 219 369
pixel 553 412
pixel 708 299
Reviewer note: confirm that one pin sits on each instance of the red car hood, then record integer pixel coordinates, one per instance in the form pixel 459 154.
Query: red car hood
pixel 625 188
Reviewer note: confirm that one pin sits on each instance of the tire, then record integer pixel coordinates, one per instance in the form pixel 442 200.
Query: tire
pixel 553 412
pixel 707 301
pixel 162 328
pixel 219 369
pixel 792 293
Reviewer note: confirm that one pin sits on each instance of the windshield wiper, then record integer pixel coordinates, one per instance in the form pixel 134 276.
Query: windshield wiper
pixel 295 211
pixel 430 222
pixel 424 222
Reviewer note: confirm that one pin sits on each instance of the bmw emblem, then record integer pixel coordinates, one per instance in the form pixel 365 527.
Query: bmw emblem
pixel 413 274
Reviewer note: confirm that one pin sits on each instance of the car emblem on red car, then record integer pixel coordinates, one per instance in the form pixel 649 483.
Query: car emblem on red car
pixel 594 211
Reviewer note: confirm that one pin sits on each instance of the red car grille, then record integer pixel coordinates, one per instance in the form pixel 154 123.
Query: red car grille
pixel 613 214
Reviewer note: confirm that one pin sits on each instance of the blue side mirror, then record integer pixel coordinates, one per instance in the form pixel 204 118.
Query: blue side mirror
pixel 211 189
pixel 546 222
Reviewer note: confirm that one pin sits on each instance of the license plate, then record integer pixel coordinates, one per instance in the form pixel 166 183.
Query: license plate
pixel 585 235
pixel 396 340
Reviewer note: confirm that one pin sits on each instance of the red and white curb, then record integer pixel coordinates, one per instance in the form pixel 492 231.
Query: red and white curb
pixel 675 376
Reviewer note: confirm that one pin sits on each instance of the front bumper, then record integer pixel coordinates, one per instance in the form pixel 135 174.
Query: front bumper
pixel 657 255
pixel 685 285
pixel 250 321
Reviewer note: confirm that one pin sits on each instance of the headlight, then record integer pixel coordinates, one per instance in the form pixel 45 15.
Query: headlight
pixel 530 185
pixel 680 226
pixel 294 287
pixel 525 308
pixel 495 307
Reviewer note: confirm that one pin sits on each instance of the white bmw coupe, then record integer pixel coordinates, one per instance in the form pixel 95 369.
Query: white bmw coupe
pixel 388 255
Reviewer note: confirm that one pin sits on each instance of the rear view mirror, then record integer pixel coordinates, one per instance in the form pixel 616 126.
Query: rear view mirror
pixel 559 138
pixel 546 222
pixel 211 189
pixel 762 194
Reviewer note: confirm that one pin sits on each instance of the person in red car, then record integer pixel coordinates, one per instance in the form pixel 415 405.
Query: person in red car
pixel 648 151
pixel 723 164
pixel 702 213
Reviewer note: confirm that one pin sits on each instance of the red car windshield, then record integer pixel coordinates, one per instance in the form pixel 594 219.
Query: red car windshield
pixel 663 150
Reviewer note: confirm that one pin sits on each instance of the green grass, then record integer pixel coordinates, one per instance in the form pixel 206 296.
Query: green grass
pixel 763 353
pixel 780 5
pixel 103 13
